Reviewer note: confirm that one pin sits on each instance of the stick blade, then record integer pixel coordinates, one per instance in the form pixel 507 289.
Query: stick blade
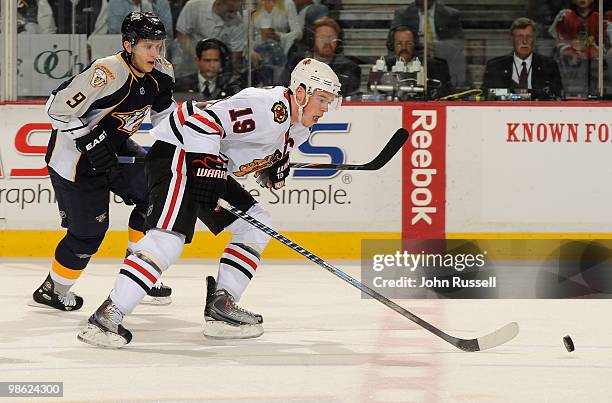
pixel 391 148
pixel 498 337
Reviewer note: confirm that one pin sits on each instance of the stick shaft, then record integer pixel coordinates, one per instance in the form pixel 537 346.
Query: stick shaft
pixel 389 150
pixel 337 272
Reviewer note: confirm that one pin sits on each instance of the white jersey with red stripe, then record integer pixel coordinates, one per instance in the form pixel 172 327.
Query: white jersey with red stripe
pixel 251 129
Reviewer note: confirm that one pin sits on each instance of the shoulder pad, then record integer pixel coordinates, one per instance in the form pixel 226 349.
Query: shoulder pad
pixel 106 70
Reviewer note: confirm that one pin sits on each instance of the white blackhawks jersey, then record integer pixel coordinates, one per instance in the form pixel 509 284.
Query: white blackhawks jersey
pixel 251 129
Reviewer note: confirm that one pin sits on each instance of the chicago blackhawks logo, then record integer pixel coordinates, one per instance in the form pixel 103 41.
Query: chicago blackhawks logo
pixel 258 164
pixel 130 121
pixel 280 112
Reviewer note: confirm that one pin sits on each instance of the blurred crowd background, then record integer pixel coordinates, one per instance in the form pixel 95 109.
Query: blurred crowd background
pixel 382 50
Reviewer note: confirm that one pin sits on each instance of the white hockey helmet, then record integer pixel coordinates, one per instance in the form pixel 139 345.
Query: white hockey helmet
pixel 314 75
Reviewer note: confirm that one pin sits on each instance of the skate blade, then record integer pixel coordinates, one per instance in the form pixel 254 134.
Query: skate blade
pixel 35 304
pixel 214 329
pixel 97 337
pixel 148 300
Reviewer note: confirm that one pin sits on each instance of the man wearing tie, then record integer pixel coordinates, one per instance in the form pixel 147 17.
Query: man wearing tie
pixel 214 79
pixel 524 69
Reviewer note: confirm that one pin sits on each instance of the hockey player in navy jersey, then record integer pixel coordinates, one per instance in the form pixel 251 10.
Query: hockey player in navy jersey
pixel 93 115
pixel 198 151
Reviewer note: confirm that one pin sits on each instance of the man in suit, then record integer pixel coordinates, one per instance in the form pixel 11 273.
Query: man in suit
pixel 524 69
pixel 443 22
pixel 214 79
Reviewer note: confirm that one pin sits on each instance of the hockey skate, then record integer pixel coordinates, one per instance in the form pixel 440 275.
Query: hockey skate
pixel 104 327
pixel 224 319
pixel 159 294
pixel 46 297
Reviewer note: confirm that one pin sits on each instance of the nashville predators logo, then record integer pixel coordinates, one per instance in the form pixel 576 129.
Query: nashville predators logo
pixel 280 112
pixel 100 76
pixel 258 164
pixel 130 121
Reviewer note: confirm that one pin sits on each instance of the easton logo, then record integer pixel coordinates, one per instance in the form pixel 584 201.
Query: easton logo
pixel 96 141
pixel 280 112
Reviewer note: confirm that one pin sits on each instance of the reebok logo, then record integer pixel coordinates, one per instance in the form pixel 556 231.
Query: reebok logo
pixel 421 160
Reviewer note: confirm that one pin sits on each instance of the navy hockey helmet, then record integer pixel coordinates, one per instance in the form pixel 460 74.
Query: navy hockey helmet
pixel 142 25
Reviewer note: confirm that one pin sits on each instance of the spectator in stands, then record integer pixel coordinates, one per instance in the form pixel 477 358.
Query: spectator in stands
pixel 543 13
pixel 327 47
pixel 176 6
pixel 219 19
pixel 277 21
pixel 118 9
pixel 76 16
pixel 443 22
pixel 33 17
pixel 304 45
pixel 214 79
pixel 403 42
pixel 577 32
pixel 523 68
pixel 302 6
pixel 276 27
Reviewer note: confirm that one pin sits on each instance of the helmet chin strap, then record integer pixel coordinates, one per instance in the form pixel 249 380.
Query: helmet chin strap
pixel 301 107
pixel 130 60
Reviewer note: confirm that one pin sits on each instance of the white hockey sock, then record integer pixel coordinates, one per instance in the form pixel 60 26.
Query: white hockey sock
pixel 135 278
pixel 236 268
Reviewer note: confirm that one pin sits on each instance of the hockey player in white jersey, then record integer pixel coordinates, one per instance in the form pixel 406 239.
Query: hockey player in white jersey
pixel 93 114
pixel 198 151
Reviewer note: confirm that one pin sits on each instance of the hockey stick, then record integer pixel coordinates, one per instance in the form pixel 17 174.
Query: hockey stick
pixel 494 339
pixel 389 150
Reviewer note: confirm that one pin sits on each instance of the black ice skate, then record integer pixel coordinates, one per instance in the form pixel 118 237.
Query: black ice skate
pixel 104 327
pixel 46 297
pixel 224 319
pixel 159 294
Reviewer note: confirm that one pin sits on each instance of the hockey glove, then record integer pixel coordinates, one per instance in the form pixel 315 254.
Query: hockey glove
pixel 274 176
pixel 99 151
pixel 208 178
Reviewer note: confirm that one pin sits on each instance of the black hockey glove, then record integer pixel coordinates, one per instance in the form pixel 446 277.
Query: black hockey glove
pixel 274 176
pixel 208 178
pixel 99 151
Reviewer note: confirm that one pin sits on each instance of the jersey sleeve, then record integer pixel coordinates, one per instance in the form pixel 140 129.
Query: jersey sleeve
pixel 71 100
pixel 200 129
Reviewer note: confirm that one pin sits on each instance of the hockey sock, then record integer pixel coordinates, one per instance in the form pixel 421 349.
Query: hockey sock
pixel 135 279
pixel 236 268
pixel 134 236
pixel 71 257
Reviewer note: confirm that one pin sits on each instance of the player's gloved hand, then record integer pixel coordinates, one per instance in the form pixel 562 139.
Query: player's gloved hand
pixel 97 147
pixel 274 176
pixel 208 178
